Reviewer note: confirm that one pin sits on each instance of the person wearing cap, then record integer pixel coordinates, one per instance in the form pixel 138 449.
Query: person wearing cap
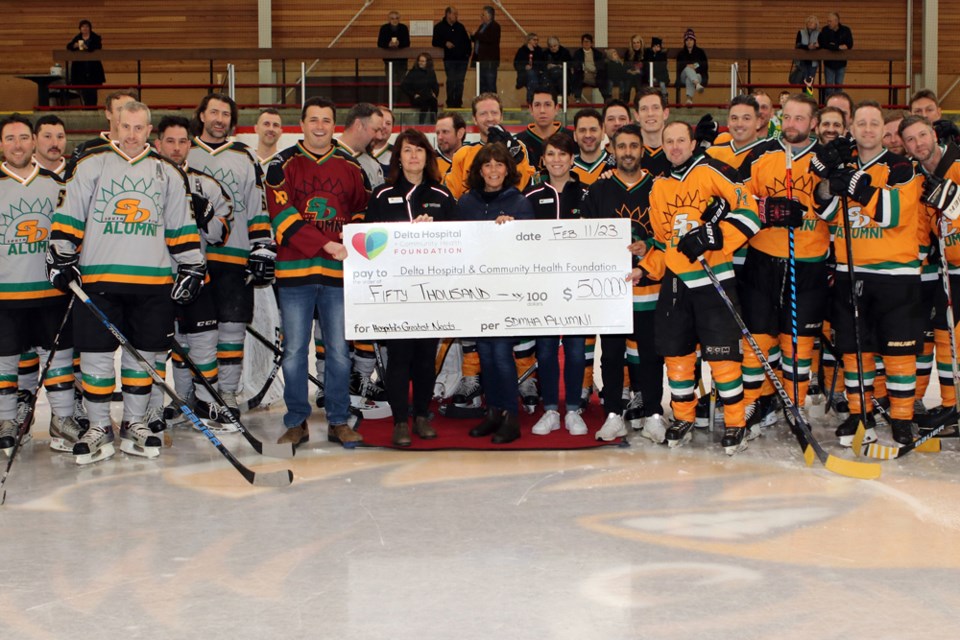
pixel 691 66
pixel 656 54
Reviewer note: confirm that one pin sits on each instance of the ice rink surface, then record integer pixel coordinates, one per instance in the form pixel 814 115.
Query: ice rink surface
pixel 616 543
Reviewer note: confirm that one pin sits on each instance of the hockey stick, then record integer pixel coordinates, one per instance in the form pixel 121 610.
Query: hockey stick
pixel 281 478
pixel 255 401
pixel 266 449
pixel 277 351
pixel 792 269
pixel 25 426
pixel 811 447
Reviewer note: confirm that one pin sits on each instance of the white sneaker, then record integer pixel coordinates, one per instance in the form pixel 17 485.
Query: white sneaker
pixel 653 428
pixel 612 428
pixel 548 422
pixel 575 424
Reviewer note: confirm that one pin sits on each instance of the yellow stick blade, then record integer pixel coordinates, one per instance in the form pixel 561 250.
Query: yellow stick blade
pixel 930 446
pixel 858 439
pixel 853 468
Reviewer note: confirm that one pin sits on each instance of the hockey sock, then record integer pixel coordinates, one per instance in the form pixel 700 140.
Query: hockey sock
pixel 852 384
pixel 364 361
pixel 59 383
pixel 948 395
pixel 901 385
pixel 28 371
pixel 471 359
pixel 230 355
pixel 320 352
pixel 202 349
pixel 8 387
pixel 525 355
pixel 633 361
pixel 726 375
pixel 880 379
pixel 156 391
pixel 136 384
pixel 753 375
pixel 815 356
pixel 804 355
pixel 682 385
pixel 924 367
pixel 99 381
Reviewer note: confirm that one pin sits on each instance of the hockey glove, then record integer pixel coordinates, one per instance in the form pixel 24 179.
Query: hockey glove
pixel 496 133
pixel 942 195
pixel 853 183
pixel 189 282
pixel 831 157
pixel 781 212
pixel 946 130
pixel 261 265
pixel 716 210
pixel 707 131
pixel 696 242
pixel 62 268
pixel 202 211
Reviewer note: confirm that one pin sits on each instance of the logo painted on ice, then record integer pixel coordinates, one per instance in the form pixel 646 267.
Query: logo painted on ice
pixel 370 244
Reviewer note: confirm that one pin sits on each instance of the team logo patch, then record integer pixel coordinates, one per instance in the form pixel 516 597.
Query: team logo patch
pixel 370 244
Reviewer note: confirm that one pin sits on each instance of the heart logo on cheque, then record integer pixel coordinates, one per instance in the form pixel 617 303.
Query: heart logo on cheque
pixel 370 244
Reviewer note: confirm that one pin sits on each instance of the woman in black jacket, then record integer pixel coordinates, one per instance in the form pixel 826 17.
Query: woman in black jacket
pixel 86 71
pixel 421 86
pixel 691 66
pixel 493 197
pixel 412 193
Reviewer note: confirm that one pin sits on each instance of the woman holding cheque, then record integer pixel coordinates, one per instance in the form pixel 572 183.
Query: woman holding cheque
pixel 493 196
pixel 412 193
pixel 557 196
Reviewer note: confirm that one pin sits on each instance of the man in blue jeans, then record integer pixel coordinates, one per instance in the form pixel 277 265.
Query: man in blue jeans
pixel 313 189
pixel 834 37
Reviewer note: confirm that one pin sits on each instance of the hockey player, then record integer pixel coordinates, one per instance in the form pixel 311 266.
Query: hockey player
pixel 699 211
pixel 939 166
pixel 831 124
pixel 269 128
pixel 451 130
pixel 764 285
pixel 51 143
pixel 883 194
pixel 125 228
pixel 544 108
pixel 652 114
pixel 313 189
pixel 362 124
pixel 196 322
pixel 247 258
pixel 30 309
pixel 592 159
pixel 626 195
pixel 112 105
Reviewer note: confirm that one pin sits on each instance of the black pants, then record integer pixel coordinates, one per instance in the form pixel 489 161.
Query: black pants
pixel 410 359
pixel 646 376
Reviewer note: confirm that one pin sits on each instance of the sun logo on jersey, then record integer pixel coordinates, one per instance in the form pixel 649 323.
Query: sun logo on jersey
pixel 683 214
pixel 638 218
pixel 128 207
pixel 229 181
pixel 802 184
pixel 25 228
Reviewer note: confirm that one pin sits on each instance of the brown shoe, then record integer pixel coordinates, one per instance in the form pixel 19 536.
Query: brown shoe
pixel 295 435
pixel 423 428
pixel 343 434
pixel 401 434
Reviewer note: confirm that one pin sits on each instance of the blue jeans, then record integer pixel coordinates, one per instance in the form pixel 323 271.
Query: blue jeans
pixel 690 79
pixel 488 77
pixel 498 371
pixel 297 305
pixel 456 71
pixel 833 76
pixel 548 370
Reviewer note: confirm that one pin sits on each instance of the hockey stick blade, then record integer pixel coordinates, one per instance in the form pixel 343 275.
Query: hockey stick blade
pixel 885 452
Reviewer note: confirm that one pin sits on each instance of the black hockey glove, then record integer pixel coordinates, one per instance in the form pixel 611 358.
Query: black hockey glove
pixel 707 131
pixel 188 283
pixel 946 130
pixel 62 268
pixel 853 183
pixel 716 210
pixel 696 242
pixel 942 195
pixel 781 212
pixel 202 211
pixel 831 157
pixel 496 133
pixel 261 265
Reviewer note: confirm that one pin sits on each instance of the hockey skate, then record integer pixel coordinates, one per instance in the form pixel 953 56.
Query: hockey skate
pixel 466 401
pixel 631 414
pixel 369 397
pixel 936 417
pixel 848 429
pixel 612 428
pixel 174 417
pixel 155 421
pixel 320 397
pixel 733 440
pixel 585 395
pixel 529 396
pixel 679 433
pixel 762 412
pixel 902 431
pixel 64 433
pixel 702 419
pixel 212 417
pixel 884 403
pixel 813 389
pixel 653 429
pixel 136 439
pixel 8 436
pixel 25 413
pixel 95 444
pixel 839 403
pixel 79 410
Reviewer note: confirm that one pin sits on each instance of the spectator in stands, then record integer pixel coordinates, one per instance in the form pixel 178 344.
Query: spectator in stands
pixel 269 128
pixel 616 69
pixel 450 35
pixel 557 55
pixel 422 88
pixel 831 124
pixel 530 63
pixel 891 132
pixel 493 197
pixel 835 37
pixel 589 69
pixel 486 49
pixel 51 143
pixel 86 71
pixel 635 70
pixel 691 66
pixel 657 55
pixel 806 40
pixel 394 36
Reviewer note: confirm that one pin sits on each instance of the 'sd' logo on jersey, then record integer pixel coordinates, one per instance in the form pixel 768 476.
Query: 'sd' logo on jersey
pixel 317 209
pixel 128 207
pixel 25 227
pixel 683 214
pixel 131 211
pixel 31 231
